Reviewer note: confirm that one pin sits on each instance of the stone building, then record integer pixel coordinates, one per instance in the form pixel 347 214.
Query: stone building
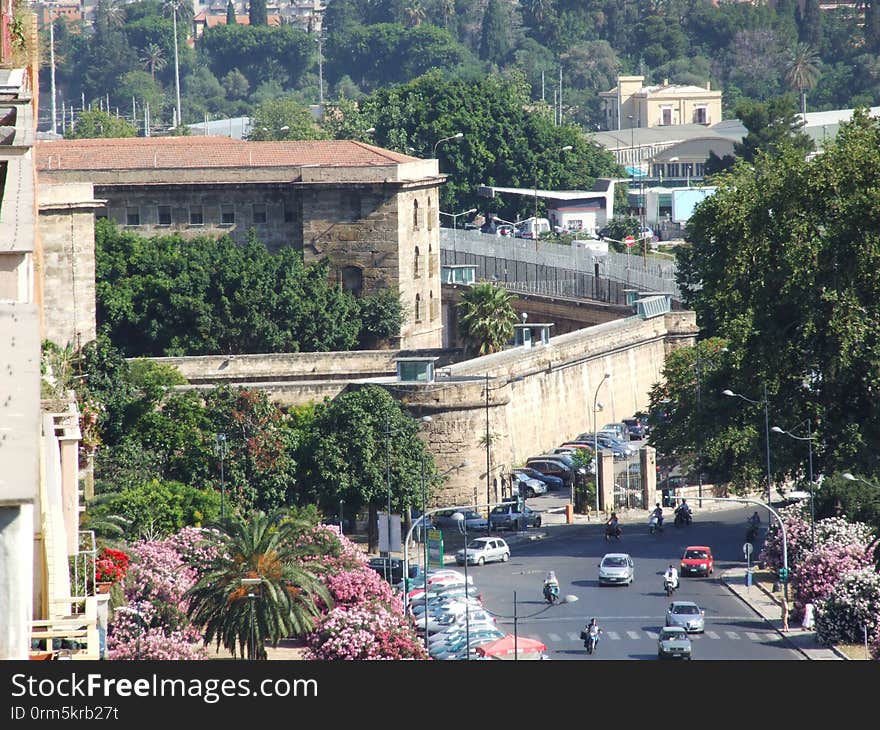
pixel 631 104
pixel 373 213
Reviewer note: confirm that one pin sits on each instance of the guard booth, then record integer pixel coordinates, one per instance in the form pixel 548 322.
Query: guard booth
pixel 529 335
pixel 465 274
pixel 415 369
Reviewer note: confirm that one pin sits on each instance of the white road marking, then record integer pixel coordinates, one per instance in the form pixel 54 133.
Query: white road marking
pixel 653 635
pixel 633 635
pixel 732 634
pixel 772 637
pixel 712 635
pixel 612 635
pixel 753 636
pixel 573 636
pixel 555 637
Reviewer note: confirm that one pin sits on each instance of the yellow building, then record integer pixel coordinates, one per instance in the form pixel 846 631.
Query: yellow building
pixel 630 104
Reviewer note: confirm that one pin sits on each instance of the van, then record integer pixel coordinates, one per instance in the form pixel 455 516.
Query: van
pixel 526 228
pixel 596 247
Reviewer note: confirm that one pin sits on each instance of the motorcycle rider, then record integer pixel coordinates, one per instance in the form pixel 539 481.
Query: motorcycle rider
pixel 591 633
pixel 549 581
pixel 612 527
pixel 754 523
pixel 684 510
pixel 658 513
pixel 671 576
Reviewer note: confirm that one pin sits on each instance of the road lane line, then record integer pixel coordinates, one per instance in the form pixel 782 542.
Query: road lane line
pixel 772 637
pixel 653 635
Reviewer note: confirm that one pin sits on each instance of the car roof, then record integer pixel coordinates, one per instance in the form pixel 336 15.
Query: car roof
pixel 676 629
pixel 615 555
pixel 684 603
pixel 698 547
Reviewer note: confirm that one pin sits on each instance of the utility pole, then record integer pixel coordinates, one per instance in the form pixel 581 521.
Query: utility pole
pixel 52 76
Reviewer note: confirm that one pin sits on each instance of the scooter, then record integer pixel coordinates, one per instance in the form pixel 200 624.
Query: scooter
pixel 591 643
pixel 669 585
pixel 614 532
pixel 682 517
pixel 654 525
pixel 551 593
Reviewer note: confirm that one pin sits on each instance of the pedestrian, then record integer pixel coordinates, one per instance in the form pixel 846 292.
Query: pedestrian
pixel 784 614
pixel 807 622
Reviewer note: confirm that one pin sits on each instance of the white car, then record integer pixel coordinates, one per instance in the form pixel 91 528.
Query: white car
pixel 527 486
pixel 483 550
pixel 616 569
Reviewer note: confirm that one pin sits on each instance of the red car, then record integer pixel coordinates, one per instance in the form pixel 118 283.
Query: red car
pixel 697 560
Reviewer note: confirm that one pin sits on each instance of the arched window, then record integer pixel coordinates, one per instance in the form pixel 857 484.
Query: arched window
pixel 415 214
pixel 432 312
pixel 418 308
pixel 431 268
pixel 430 215
pixel 416 264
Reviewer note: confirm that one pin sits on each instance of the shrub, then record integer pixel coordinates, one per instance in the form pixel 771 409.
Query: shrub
pixel 821 571
pixel 853 604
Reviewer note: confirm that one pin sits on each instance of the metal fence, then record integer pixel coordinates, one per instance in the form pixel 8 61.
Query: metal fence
pixel 545 267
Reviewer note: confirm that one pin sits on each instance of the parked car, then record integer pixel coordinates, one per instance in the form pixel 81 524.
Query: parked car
pixel 623 444
pixel 553 465
pixel 506 517
pixel 552 482
pixel 686 614
pixel 674 643
pixel 616 569
pixel 473 520
pixel 608 443
pixel 527 486
pixel 617 429
pixel 483 550
pixel 697 560
pixel 634 429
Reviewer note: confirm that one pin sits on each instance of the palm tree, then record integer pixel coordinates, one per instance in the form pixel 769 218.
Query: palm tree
pixel 260 547
pixel 487 317
pixel 415 13
pixel 802 71
pixel 154 59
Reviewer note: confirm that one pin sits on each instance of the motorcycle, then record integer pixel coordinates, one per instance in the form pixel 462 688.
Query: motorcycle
pixel 551 593
pixel 682 517
pixel 614 532
pixel 669 585
pixel 752 534
pixel 591 642
pixel 654 525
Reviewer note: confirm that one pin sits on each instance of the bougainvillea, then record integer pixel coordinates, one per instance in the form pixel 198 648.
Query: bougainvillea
pixel 852 606
pixel 333 549
pixel 157 580
pixel 821 571
pixel 195 547
pixel 797 538
pixel 367 631
pixel 362 585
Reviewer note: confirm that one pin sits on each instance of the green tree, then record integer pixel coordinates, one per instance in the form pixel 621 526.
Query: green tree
pixel 257 14
pixel 783 263
pixel 772 125
pixel 140 86
pixel 486 317
pixel 271 117
pixel 382 317
pixel 95 123
pixel 872 25
pixel 236 84
pixel 362 445
pixel 153 59
pixel 257 546
pixel 810 23
pixel 802 71
pixel 231 19
pixel 495 34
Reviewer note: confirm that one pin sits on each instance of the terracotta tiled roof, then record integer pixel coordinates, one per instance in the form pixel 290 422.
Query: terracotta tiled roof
pixel 203 152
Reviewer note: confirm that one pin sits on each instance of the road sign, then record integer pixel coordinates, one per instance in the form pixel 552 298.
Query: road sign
pixel 629 241
pixel 747 550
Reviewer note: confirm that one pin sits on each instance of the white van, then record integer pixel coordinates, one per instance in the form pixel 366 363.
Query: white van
pixel 526 228
pixel 596 247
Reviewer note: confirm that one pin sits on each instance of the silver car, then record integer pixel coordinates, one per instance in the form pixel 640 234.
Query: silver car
pixel 686 614
pixel 483 550
pixel 616 569
pixel 673 643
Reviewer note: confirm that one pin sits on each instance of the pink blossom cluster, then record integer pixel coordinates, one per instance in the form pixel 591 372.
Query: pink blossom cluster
pixel 797 534
pixel 367 631
pixel 850 608
pixel 195 546
pixel 335 550
pixel 820 572
pixel 360 585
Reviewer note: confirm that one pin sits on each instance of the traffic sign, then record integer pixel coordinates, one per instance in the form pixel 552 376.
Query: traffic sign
pixel 747 550
pixel 629 241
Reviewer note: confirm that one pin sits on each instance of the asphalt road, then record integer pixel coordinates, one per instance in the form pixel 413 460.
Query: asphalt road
pixel 630 616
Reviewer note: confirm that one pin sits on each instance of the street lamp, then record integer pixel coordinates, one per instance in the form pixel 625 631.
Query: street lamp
pixel 455 217
pixel 809 439
pixel 175 6
pixel 142 622
pixel 457 135
pixel 567 148
pixel 763 402
pixel 250 583
pixel 852 478
pixel 462 526
pixel 597 407
pixel 220 448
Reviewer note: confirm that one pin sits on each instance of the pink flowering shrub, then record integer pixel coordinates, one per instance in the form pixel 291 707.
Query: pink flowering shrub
pixel 365 631
pixel 797 534
pixel 156 582
pixel 820 571
pixel 853 604
pixel 195 547
pixel 362 585
pixel 326 544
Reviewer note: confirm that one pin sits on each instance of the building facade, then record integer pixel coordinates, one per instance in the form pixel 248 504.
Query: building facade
pixel 372 212
pixel 631 104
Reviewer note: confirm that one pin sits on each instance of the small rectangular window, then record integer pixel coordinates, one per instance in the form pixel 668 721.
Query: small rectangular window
pixel 196 218
pixel 132 216
pixel 164 215
pixel 227 214
pixel 288 213
pixel 259 212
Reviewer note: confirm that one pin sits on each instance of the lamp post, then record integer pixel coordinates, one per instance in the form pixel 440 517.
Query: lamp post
pixel 220 447
pixel 596 405
pixel 250 583
pixel 462 526
pixel 320 71
pixel 455 217
pixel 175 6
pixel 142 622
pixel 341 502
pixel 567 148
pixel 809 439
pixel 457 135
pixel 388 490
pixel 763 402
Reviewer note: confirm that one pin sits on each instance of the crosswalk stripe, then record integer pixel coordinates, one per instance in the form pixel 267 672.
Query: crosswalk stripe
pixel 612 635
pixel 753 636
pixel 712 635
pixel 573 636
pixel 633 635
pixel 653 635
pixel 771 637
pixel 553 637
pixel 732 634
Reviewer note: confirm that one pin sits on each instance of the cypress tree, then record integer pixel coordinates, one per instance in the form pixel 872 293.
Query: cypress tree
pixel 257 13
pixel 230 13
pixel 872 26
pixel 810 24
pixel 495 39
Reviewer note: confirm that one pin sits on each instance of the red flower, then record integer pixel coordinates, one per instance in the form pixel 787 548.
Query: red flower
pixel 111 565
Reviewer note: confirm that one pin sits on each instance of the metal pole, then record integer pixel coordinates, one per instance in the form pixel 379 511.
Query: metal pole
pixel 251 597
pixel 515 633
pixel 341 502
pixel 467 613
pixel 388 484
pixel 767 438
pixel 52 67
pixel 488 490
pixel 174 7
pixel 700 450
pixel 812 509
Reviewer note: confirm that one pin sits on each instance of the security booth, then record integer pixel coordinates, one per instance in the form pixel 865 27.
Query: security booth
pixel 529 335
pixel 465 274
pixel 415 369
